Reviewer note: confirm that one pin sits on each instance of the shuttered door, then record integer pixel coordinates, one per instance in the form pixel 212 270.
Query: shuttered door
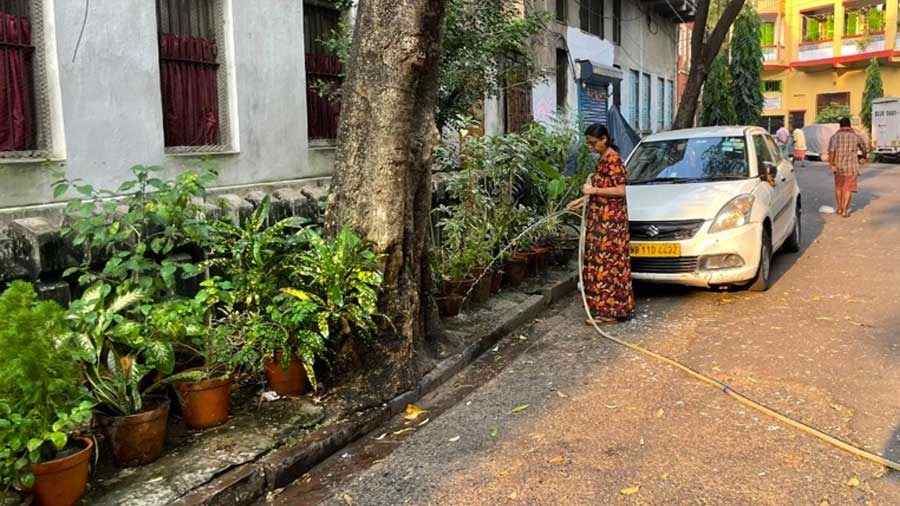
pixel 593 103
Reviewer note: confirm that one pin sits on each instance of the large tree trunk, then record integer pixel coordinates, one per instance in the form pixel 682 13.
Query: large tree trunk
pixel 382 182
pixel 705 47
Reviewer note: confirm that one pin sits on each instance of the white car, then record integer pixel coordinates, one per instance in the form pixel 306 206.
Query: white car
pixel 710 206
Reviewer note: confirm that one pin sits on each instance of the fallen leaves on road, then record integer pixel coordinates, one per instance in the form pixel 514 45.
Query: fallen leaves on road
pixel 348 500
pixel 557 460
pixel 853 482
pixel 453 439
pixel 379 438
pixel 403 431
pixel 660 412
pixel 413 412
pixel 423 422
pixel 630 490
pixel 518 409
pixel 494 433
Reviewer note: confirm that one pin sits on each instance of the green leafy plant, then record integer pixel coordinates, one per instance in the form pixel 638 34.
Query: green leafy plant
pixel 874 89
pixel 342 277
pixel 42 397
pixel 832 113
pixel 120 353
pixel 134 231
pixel 718 100
pixel 746 67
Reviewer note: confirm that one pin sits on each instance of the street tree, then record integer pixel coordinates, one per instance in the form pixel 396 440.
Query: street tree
pixel 718 95
pixel 705 46
pixel 874 89
pixel 746 67
pixel 381 186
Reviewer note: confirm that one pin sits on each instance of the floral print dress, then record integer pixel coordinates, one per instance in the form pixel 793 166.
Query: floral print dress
pixel 607 265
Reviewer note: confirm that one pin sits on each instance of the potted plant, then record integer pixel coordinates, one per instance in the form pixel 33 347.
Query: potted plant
pixel 342 277
pixel 121 358
pixel 43 403
pixel 216 347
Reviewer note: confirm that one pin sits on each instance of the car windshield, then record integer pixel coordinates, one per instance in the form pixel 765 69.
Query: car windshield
pixel 689 161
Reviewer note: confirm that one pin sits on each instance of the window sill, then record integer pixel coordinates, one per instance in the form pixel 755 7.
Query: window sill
pixel 37 159
pixel 199 154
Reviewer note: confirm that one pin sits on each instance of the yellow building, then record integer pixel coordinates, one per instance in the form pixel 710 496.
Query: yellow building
pixel 815 55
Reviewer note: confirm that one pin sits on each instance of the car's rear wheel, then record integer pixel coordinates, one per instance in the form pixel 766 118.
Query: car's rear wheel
pixel 761 282
pixel 792 244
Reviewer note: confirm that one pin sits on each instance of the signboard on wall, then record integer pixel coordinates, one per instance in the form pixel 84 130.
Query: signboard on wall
pixel 771 102
pixel 593 103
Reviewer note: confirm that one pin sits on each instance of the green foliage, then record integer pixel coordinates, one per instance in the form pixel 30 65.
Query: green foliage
pixel 718 104
pixel 341 276
pixel 135 235
pixel 119 351
pixel 874 89
pixel 42 399
pixel 832 113
pixel 746 67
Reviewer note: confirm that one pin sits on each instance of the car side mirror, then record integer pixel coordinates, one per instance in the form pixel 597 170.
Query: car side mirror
pixel 768 172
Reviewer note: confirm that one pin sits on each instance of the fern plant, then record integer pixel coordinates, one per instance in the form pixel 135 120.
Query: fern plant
pixel 42 397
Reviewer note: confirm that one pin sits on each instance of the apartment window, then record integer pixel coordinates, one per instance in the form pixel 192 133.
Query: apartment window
pixel 323 71
pixel 591 14
pixel 191 81
pixel 562 78
pixel 834 100
pixel 660 102
pixel 562 11
pixel 670 103
pixel 517 111
pixel 867 19
pixel 771 86
pixel 617 22
pixel 634 99
pixel 645 102
pixel 767 33
pixel 818 26
pixel 17 97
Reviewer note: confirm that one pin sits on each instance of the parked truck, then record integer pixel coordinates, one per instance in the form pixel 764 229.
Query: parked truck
pixel 886 128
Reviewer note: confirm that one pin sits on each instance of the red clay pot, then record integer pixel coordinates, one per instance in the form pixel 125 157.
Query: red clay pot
pixel 537 259
pixel 137 439
pixel 62 482
pixel 516 269
pixel 496 281
pixel 206 403
pixel 449 305
pixel 482 291
pixel 458 286
pixel 290 382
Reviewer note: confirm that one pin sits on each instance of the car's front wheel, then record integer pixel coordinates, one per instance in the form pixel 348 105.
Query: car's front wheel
pixel 792 244
pixel 761 282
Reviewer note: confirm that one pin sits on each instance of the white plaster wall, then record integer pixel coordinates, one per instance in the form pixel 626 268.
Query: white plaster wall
pixel 111 104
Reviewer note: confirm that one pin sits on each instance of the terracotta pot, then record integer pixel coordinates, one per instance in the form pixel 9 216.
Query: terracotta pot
pixel 458 286
pixel 206 403
pixel 449 305
pixel 137 439
pixel 482 291
pixel 515 269
pixel 62 482
pixel 537 259
pixel 285 382
pixel 496 281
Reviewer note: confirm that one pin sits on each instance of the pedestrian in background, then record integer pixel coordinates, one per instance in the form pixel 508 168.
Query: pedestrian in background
pixel 783 138
pixel 844 150
pixel 799 146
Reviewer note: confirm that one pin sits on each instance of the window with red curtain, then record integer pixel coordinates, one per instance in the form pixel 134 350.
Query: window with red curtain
pixel 322 68
pixel 189 72
pixel 17 130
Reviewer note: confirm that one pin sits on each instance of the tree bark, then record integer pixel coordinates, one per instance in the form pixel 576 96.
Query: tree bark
pixel 704 48
pixel 382 182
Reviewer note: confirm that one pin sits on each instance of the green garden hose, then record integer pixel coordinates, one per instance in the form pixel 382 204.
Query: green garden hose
pixel 743 399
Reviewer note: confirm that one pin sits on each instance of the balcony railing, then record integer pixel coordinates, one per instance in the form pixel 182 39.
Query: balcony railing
pixel 773 55
pixel 863 44
pixel 767 6
pixel 815 51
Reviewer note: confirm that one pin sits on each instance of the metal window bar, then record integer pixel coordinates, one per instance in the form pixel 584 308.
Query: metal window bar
pixel 16 7
pixel 191 18
pixel 322 67
pixel 22 8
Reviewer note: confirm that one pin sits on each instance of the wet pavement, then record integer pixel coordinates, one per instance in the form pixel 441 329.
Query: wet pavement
pixel 556 415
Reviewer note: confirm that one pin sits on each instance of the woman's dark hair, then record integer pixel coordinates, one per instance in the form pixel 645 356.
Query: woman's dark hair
pixel 599 131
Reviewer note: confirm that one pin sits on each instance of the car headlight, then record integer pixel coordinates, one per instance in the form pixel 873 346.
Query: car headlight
pixel 736 213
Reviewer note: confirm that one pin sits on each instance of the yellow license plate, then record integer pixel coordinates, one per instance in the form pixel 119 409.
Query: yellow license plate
pixel 655 249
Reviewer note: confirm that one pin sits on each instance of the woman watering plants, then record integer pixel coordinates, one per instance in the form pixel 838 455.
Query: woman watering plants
pixel 607 269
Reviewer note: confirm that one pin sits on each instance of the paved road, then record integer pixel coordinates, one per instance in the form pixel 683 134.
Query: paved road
pixel 603 425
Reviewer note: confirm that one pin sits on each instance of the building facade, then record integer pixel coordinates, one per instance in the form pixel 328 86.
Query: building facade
pixel 160 82
pixel 815 54
pixel 600 53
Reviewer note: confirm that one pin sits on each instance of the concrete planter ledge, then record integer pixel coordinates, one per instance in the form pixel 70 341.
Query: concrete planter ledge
pixel 265 448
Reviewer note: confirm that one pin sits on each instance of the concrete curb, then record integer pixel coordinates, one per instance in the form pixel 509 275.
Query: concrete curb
pixel 248 482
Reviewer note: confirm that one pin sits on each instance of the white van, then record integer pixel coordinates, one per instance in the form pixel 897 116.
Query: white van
pixel 886 128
